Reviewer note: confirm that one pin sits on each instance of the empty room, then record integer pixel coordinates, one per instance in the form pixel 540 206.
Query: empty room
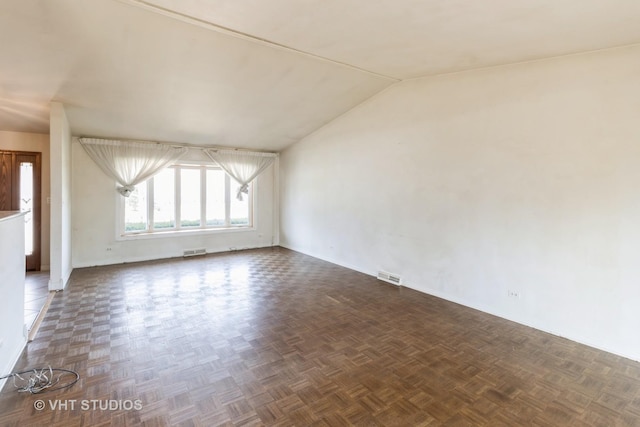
pixel 320 213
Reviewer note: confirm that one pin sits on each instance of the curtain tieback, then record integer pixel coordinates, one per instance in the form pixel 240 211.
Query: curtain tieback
pixel 126 190
pixel 244 188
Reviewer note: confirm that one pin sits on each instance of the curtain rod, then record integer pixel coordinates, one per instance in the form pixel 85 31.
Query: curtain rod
pixel 180 144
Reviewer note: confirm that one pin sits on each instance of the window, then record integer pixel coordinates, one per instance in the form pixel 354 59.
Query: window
pixel 185 197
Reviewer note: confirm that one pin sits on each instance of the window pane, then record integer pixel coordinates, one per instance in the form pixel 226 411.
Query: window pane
pixel 190 198
pixel 239 209
pixel 164 210
pixel 135 209
pixel 215 198
pixel 26 204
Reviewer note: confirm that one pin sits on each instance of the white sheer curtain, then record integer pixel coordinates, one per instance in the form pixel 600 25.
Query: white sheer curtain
pixel 243 166
pixel 130 163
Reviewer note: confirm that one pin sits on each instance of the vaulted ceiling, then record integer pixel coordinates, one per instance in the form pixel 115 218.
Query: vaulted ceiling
pixel 263 74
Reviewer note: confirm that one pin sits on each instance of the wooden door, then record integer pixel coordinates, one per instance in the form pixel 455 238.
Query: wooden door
pixel 20 189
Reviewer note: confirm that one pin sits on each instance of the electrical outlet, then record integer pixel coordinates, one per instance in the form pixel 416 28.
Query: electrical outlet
pixel 513 294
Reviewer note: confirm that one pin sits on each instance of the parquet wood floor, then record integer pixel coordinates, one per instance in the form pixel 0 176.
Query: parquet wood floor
pixel 36 293
pixel 274 337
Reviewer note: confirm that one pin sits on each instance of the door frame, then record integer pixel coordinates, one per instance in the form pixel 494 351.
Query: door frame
pixel 32 261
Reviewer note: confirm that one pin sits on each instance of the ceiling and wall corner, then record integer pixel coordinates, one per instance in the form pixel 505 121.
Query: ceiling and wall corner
pixel 511 189
pixel 263 75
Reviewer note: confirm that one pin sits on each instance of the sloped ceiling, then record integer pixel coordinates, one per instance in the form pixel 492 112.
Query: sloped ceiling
pixel 263 74
pixel 412 38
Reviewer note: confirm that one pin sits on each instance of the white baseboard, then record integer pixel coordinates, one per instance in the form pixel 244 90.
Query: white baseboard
pixel 144 258
pixel 327 259
pixel 61 283
pixel 12 362
pixel 475 306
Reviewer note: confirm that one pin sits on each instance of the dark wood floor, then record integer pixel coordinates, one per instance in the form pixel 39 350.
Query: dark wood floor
pixel 273 337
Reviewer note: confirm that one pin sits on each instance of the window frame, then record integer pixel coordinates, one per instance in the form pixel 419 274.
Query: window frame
pixel 178 230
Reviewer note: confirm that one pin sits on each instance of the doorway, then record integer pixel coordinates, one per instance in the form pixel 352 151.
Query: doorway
pixel 20 187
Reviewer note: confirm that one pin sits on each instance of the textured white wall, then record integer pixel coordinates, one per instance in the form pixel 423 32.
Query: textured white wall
pixel 94 221
pixel 521 177
pixel 35 142
pixel 12 266
pixel 60 146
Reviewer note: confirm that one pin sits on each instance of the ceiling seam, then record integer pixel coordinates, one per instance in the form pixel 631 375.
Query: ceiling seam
pixel 245 36
pixel 528 61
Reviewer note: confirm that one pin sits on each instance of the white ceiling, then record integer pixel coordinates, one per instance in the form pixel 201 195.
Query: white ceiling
pixel 263 74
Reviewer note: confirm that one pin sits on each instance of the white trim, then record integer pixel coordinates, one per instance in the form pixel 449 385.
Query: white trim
pixel 150 202
pixel 479 307
pixel 492 312
pixel 177 192
pixel 182 233
pixel 253 204
pixel 13 361
pixel 327 259
pixel 176 199
pixel 203 196
pixel 275 235
pixel 178 230
pixel 144 258
pixel 227 200
pixel 59 285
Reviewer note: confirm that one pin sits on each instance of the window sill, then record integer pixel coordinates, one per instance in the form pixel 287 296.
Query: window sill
pixel 183 233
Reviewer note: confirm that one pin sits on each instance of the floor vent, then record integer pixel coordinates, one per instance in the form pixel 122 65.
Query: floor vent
pixel 394 279
pixel 194 252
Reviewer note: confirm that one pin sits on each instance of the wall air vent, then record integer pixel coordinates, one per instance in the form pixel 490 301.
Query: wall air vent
pixel 394 279
pixel 194 252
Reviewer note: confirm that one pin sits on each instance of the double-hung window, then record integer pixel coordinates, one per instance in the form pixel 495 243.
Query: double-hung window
pixel 183 198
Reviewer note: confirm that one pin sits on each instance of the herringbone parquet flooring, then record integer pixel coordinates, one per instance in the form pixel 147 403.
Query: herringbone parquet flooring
pixel 273 337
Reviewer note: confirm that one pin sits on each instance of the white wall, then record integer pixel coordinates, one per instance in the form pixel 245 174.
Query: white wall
pixel 12 266
pixel 95 216
pixel 60 146
pixel 521 177
pixel 35 142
